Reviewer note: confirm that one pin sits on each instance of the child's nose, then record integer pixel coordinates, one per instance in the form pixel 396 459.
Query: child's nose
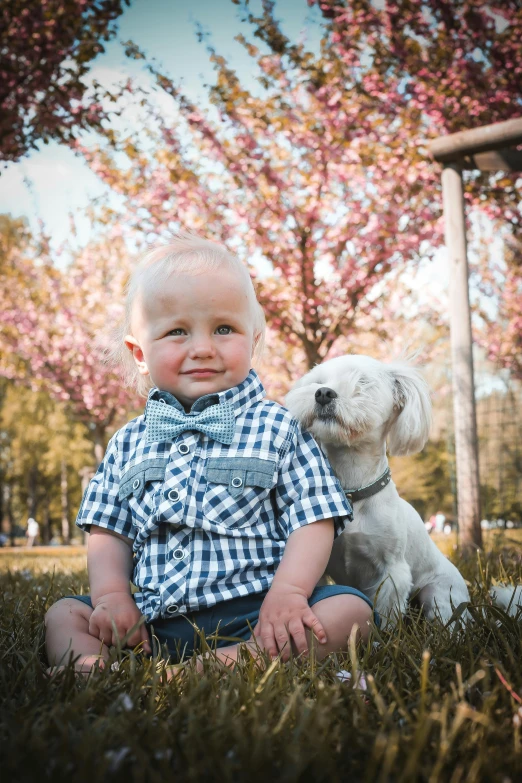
pixel 201 347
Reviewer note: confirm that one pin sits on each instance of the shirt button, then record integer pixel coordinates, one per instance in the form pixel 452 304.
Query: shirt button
pixel 135 484
pixel 237 482
pixel 173 494
pixel 183 448
pixel 179 554
pixel 172 609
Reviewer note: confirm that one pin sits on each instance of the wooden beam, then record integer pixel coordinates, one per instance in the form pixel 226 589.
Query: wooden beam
pixel 507 159
pixel 447 149
pixel 466 443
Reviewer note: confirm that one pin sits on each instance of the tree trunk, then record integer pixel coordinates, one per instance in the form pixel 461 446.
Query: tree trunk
pixel 313 356
pixel 32 491
pixel 2 508
pixel 9 512
pixel 99 443
pixel 99 451
pixel 46 522
pixel 64 486
pixel 86 475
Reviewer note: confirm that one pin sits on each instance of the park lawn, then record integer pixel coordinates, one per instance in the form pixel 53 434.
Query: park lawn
pixel 440 706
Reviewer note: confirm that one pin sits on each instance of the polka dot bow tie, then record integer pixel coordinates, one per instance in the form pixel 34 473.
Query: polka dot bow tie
pixel 165 422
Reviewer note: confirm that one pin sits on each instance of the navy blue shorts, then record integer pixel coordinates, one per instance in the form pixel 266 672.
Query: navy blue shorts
pixel 224 623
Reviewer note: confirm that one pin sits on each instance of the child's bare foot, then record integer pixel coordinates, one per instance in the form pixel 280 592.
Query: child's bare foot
pixel 226 656
pixel 86 665
pixel 176 672
pixel 179 670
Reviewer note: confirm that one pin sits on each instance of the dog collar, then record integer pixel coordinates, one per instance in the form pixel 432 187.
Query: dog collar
pixel 369 489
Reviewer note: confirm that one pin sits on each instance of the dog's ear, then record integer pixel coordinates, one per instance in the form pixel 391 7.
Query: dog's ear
pixel 409 432
pixel 294 399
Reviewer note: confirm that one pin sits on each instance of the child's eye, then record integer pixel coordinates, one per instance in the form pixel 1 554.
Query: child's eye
pixel 224 330
pixel 176 332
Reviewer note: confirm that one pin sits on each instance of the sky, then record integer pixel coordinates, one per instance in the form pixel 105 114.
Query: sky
pixel 52 182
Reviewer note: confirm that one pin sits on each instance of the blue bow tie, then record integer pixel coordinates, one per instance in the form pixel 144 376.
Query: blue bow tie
pixel 166 422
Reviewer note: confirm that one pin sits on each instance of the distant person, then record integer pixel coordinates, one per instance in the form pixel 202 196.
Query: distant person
pixel 3 539
pixel 440 519
pixel 32 532
pixel 229 507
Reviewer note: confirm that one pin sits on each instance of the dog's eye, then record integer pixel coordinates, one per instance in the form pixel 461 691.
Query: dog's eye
pixel 361 384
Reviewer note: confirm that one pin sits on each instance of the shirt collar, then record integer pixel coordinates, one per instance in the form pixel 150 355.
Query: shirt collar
pixel 242 396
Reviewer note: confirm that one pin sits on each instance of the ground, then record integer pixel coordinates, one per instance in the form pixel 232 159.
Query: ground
pixel 439 706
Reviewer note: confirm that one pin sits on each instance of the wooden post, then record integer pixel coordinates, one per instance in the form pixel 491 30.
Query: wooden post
pixel 488 148
pixel 453 148
pixel 466 446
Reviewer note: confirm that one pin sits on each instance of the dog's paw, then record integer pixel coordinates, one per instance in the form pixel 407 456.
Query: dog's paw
pixel 507 597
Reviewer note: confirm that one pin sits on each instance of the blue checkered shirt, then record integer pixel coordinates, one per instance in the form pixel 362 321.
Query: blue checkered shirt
pixel 210 522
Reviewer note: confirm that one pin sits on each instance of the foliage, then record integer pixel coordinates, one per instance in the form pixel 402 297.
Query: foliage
pixel 453 65
pixel 39 441
pixel 47 47
pixel 439 706
pixel 501 336
pixel 499 421
pixel 322 171
pixel 428 481
pixel 424 479
pixel 51 317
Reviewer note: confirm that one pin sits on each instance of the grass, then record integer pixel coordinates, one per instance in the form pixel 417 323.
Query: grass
pixel 440 706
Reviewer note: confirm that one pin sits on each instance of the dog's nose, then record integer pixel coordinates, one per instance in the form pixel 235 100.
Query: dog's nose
pixel 324 395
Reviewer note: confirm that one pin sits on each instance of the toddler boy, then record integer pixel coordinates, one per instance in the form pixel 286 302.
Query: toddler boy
pixel 230 509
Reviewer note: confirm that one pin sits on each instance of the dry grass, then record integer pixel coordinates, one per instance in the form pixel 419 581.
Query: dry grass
pixel 441 705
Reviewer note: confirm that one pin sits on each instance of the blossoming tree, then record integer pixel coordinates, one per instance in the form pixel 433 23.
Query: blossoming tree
pixel 52 319
pixel 321 171
pixel 47 47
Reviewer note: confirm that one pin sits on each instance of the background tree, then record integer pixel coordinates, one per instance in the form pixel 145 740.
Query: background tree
pixel 322 171
pixel 456 64
pixel 501 335
pixel 43 450
pixel 53 320
pixel 47 47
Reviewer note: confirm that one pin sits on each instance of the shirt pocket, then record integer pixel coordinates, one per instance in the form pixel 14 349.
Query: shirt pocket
pixel 237 489
pixel 140 485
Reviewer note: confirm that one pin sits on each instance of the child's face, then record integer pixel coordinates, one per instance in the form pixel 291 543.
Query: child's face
pixel 194 334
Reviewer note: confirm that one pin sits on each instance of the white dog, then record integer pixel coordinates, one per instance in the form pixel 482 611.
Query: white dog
pixel 354 406
pixel 509 598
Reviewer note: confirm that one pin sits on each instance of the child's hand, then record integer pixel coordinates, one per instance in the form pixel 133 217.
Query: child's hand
pixel 283 617
pixel 121 609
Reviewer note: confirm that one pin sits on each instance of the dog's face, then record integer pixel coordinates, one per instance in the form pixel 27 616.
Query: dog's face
pixel 352 399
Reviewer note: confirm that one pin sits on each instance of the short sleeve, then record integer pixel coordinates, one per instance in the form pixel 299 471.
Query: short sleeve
pixel 307 489
pixel 100 505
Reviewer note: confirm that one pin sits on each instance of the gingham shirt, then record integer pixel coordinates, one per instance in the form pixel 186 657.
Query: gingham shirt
pixel 210 522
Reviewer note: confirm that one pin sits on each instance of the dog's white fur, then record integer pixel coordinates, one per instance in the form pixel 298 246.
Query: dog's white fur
pixel 386 551
pixel 508 598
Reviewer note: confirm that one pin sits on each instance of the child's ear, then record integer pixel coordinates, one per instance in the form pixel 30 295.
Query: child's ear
pixel 137 354
pixel 255 342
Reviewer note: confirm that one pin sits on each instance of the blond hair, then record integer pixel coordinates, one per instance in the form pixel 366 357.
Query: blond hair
pixel 184 254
